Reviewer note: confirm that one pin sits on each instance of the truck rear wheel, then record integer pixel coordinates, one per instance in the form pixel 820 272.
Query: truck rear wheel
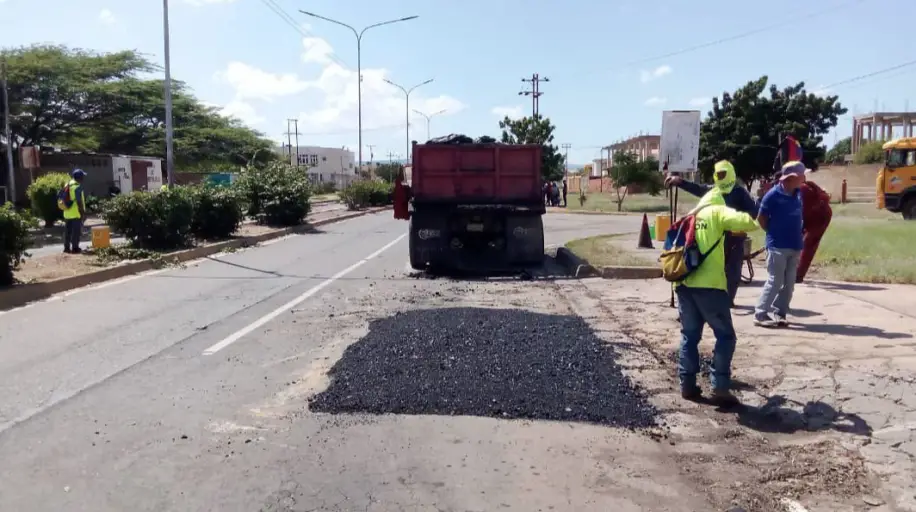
pixel 413 242
pixel 525 239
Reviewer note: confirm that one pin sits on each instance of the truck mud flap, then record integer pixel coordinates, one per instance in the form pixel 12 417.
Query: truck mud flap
pixel 525 239
pixel 427 240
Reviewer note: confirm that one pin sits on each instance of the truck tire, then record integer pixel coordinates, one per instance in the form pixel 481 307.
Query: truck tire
pixel 909 208
pixel 527 250
pixel 413 242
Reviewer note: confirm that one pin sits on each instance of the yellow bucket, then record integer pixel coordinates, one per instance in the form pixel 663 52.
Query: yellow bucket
pixel 662 224
pixel 101 237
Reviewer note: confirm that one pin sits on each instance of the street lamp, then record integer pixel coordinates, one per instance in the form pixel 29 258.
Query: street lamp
pixel 428 117
pixel 407 109
pixel 359 66
pixel 169 155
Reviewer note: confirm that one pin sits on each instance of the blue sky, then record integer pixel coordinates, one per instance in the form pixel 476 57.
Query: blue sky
pixel 241 56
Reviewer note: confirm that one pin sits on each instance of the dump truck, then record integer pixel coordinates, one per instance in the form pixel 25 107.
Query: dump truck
pixel 473 206
pixel 896 182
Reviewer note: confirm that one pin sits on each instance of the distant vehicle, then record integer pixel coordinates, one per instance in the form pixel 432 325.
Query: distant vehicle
pixel 896 183
pixel 474 206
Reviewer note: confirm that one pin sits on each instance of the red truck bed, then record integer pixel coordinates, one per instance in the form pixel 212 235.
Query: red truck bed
pixel 476 173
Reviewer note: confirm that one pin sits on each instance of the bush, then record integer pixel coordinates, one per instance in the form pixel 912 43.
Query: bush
pixel 361 194
pixel 94 204
pixel 153 220
pixel 217 212
pixel 14 240
pixel 325 187
pixel 277 195
pixel 43 196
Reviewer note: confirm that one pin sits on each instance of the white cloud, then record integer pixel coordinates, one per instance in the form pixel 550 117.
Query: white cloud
pixel 699 101
pixel 106 17
pixel 515 112
pixel 243 111
pixel 655 101
pixel 250 82
pixel 648 76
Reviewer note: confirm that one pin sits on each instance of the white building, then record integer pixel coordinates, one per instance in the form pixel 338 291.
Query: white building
pixel 323 164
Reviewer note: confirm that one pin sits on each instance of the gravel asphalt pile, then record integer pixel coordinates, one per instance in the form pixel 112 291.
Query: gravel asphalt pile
pixel 485 362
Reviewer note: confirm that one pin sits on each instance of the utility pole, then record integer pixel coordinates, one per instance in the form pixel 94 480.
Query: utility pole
pixel 289 135
pixel 289 142
pixel 535 91
pixel 6 132
pixel 371 155
pixel 566 158
pixel 169 152
pixel 391 157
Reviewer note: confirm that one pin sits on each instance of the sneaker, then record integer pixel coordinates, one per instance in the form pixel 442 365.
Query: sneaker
pixel 724 398
pixel 782 321
pixel 67 250
pixel 77 251
pixel 764 320
pixel 691 393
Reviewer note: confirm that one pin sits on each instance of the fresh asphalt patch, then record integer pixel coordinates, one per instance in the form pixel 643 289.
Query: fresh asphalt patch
pixel 503 363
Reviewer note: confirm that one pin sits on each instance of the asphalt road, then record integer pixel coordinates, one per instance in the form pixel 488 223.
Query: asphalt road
pixel 187 389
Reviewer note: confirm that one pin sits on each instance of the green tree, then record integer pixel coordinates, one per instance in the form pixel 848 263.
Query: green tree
pixel 870 153
pixel 388 172
pixel 627 172
pixel 746 127
pixel 837 154
pixel 486 139
pixel 535 130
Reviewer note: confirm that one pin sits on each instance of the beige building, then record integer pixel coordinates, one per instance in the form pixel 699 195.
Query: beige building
pixel 881 126
pixel 643 146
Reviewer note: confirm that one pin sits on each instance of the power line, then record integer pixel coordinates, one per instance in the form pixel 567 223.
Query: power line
pixel 289 20
pixel 869 75
pixel 535 91
pixel 749 33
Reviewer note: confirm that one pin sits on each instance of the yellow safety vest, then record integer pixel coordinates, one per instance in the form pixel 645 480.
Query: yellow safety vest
pixel 74 211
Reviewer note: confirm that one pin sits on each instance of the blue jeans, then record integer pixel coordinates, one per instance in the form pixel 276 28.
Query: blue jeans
pixel 782 267
pixel 698 307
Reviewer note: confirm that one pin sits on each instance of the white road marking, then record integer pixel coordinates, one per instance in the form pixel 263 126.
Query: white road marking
pixel 232 338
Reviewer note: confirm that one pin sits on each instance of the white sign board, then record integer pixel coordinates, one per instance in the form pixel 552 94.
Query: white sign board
pixel 680 144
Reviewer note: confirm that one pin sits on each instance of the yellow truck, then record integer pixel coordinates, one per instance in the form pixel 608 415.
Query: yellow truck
pixel 896 184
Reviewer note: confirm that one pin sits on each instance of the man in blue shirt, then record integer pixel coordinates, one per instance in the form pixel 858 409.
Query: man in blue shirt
pixel 781 217
pixel 725 184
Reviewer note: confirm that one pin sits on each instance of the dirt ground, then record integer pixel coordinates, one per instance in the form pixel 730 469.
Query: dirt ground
pixel 824 425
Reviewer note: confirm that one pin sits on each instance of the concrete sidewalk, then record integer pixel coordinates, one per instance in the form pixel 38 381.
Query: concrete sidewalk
pixel 843 372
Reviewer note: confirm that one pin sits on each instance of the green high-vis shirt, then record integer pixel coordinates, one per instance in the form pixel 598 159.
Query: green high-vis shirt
pixel 711 224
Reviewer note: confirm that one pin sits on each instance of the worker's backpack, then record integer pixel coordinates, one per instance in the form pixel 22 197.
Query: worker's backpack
pixel 64 201
pixel 682 255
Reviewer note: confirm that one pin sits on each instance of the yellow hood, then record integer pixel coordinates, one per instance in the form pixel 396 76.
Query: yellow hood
pixel 726 184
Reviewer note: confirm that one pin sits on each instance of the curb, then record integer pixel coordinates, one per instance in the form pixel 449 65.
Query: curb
pixel 579 267
pixel 23 294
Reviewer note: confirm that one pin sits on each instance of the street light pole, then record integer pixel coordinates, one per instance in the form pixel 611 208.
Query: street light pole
pixel 359 67
pixel 407 109
pixel 428 117
pixel 169 155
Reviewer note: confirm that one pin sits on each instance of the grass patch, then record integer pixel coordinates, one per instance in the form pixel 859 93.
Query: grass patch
pixel 605 202
pixel 602 251
pixel 863 249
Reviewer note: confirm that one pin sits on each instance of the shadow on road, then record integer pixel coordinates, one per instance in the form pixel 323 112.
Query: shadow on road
pixel 774 417
pixel 502 363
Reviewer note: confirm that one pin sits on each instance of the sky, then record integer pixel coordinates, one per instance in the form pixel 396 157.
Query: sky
pixel 613 66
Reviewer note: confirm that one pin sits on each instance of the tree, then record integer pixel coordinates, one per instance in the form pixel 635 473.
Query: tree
pixel 628 172
pixel 837 154
pixel 486 139
pixel 870 153
pixel 746 127
pixel 85 101
pixel 535 130
pixel 388 172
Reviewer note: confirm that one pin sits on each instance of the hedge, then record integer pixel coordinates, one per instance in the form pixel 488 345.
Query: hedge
pixel 153 220
pixel 14 240
pixel 43 196
pixel 361 194
pixel 277 194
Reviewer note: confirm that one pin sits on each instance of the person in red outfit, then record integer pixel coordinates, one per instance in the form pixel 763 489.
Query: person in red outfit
pixel 816 215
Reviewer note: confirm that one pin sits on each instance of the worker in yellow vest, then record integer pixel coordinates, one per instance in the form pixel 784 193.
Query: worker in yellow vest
pixel 72 201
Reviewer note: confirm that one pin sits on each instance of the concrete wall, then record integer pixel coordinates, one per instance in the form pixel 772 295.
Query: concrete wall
pixel 860 181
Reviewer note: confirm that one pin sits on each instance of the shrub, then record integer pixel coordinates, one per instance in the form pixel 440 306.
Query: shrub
pixel 277 194
pixel 43 196
pixel 217 212
pixel 14 240
pixel 157 221
pixel 94 204
pixel 325 187
pixel 361 194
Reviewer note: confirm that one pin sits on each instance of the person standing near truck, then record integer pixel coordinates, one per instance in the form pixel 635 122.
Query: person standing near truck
pixel 724 191
pixel 816 216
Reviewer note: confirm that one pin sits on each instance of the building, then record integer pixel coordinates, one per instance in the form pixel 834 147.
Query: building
pixel 128 173
pixel 323 164
pixel 881 126
pixel 643 146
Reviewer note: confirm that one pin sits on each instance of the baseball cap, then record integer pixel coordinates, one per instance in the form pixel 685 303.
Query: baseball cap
pixel 792 169
pixel 78 173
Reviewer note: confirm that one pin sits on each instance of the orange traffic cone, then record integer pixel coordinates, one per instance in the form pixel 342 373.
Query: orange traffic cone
pixel 645 241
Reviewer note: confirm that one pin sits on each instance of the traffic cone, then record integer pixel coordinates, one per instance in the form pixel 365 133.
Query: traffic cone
pixel 645 241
